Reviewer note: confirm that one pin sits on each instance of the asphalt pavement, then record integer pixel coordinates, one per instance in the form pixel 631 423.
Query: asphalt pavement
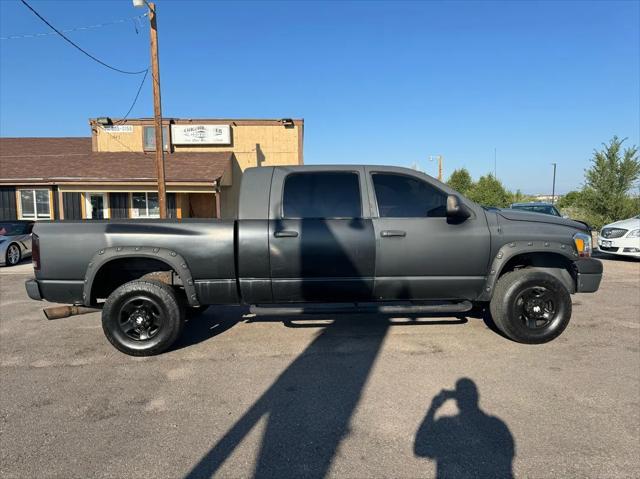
pixel 349 396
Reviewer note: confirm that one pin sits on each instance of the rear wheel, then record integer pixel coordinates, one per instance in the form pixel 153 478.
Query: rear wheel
pixel 142 318
pixel 13 255
pixel 531 306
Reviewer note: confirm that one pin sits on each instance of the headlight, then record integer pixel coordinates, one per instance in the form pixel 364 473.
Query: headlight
pixel 634 234
pixel 583 244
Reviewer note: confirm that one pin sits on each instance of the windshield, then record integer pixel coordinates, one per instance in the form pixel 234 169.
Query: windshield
pixel 545 209
pixel 13 229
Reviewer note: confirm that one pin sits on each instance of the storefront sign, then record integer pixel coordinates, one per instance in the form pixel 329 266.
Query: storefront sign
pixel 118 128
pixel 201 134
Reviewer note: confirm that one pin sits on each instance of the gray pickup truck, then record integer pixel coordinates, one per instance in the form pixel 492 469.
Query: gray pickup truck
pixel 321 239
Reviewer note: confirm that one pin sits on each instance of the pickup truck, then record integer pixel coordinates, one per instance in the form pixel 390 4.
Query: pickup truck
pixel 319 239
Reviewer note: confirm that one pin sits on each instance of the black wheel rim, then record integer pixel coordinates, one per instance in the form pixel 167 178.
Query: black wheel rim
pixel 537 307
pixel 140 318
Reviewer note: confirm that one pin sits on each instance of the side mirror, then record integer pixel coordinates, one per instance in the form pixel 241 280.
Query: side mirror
pixel 456 208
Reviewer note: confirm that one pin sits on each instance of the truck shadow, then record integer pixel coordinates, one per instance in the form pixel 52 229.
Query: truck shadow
pixel 309 406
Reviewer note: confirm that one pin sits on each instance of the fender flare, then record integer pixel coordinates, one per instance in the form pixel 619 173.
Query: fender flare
pixel 515 248
pixel 170 257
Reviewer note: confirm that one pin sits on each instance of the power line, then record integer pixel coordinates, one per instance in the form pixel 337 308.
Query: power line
pixel 80 48
pixel 77 29
pixel 123 119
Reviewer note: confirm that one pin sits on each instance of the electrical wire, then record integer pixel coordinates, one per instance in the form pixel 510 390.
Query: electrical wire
pixel 77 29
pixel 80 48
pixel 124 118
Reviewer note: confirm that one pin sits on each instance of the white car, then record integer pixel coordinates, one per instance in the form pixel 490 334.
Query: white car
pixel 621 237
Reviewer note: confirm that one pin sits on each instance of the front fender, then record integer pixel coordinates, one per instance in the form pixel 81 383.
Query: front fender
pixel 170 257
pixel 513 249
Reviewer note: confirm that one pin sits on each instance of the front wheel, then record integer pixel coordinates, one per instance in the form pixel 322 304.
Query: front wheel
pixel 531 306
pixel 142 318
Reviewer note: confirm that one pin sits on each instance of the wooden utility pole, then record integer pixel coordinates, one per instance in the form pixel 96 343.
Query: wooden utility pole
pixel 157 111
pixel 439 158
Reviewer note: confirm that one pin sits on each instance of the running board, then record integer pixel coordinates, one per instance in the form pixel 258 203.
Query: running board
pixel 431 307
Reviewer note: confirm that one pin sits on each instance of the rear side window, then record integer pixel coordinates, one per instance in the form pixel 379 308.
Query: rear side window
pixel 322 195
pixel 401 196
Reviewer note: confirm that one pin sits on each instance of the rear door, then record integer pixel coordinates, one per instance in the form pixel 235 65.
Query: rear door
pixel 421 253
pixel 321 240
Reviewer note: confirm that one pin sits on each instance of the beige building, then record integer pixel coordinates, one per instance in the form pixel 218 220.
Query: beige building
pixel 111 174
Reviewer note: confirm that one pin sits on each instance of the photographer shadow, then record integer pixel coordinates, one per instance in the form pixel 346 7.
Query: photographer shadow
pixel 469 444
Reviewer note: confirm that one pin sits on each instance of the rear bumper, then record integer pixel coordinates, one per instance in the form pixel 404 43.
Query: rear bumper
pixel 589 275
pixel 61 291
pixel 33 290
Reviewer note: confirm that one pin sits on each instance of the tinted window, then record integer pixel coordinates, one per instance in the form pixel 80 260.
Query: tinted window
pixel 321 195
pixel 401 196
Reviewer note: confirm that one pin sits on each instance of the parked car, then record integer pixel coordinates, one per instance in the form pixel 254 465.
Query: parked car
pixel 544 208
pixel 312 238
pixel 621 237
pixel 15 241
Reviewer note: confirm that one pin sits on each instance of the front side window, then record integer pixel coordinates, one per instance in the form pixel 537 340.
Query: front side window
pixel 149 138
pixel 322 195
pixel 144 205
pixel 34 204
pixel 401 196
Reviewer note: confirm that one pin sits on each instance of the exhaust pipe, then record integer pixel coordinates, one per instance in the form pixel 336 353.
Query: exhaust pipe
pixel 59 312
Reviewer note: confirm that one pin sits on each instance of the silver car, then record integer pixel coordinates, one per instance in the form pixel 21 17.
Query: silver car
pixel 15 241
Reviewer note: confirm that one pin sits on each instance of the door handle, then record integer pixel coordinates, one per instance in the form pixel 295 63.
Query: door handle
pixel 286 234
pixel 393 233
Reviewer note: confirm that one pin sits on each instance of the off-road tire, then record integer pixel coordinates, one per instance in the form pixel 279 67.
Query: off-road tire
pixel 160 298
pixel 506 306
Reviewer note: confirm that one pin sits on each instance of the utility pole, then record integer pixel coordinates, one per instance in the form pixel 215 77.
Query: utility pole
pixel 553 190
pixel 157 105
pixel 440 159
pixel 495 163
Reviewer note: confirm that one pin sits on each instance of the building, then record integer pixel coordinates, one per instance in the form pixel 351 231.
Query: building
pixel 112 174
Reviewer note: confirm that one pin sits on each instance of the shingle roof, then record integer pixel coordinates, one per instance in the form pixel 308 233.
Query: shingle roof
pixel 60 160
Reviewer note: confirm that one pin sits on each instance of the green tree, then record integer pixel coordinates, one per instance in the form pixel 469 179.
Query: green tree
pixel 570 200
pixel 460 180
pixel 608 182
pixel 488 191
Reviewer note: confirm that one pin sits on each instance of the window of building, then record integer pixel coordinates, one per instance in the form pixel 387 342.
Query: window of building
pixel 96 205
pixel 149 138
pixel 322 195
pixel 145 205
pixel 35 205
pixel 401 196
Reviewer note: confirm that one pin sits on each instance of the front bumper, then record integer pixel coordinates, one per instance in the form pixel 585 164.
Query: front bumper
pixel 33 290
pixel 588 275
pixel 622 246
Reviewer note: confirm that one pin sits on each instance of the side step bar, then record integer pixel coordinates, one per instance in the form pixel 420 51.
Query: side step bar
pixel 432 307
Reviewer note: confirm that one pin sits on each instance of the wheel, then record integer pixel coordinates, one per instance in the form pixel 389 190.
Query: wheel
pixel 13 255
pixel 143 318
pixel 530 306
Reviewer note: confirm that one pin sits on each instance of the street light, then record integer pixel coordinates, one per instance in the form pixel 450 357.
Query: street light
pixel 157 104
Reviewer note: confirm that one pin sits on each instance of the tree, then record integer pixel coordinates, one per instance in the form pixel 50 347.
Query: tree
pixel 488 191
pixel 608 182
pixel 570 200
pixel 460 180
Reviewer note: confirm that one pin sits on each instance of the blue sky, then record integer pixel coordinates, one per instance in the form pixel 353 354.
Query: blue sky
pixel 376 82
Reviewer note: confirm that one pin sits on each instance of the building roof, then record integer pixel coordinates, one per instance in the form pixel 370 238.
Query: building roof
pixel 65 160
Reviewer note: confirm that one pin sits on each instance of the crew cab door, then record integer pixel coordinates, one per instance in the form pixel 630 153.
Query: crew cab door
pixel 321 240
pixel 422 254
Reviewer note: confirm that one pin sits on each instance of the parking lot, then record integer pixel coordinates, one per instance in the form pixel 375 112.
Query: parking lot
pixel 340 397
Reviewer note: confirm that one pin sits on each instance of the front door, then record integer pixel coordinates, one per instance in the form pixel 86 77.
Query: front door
pixel 322 249
pixel 96 206
pixel 421 253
